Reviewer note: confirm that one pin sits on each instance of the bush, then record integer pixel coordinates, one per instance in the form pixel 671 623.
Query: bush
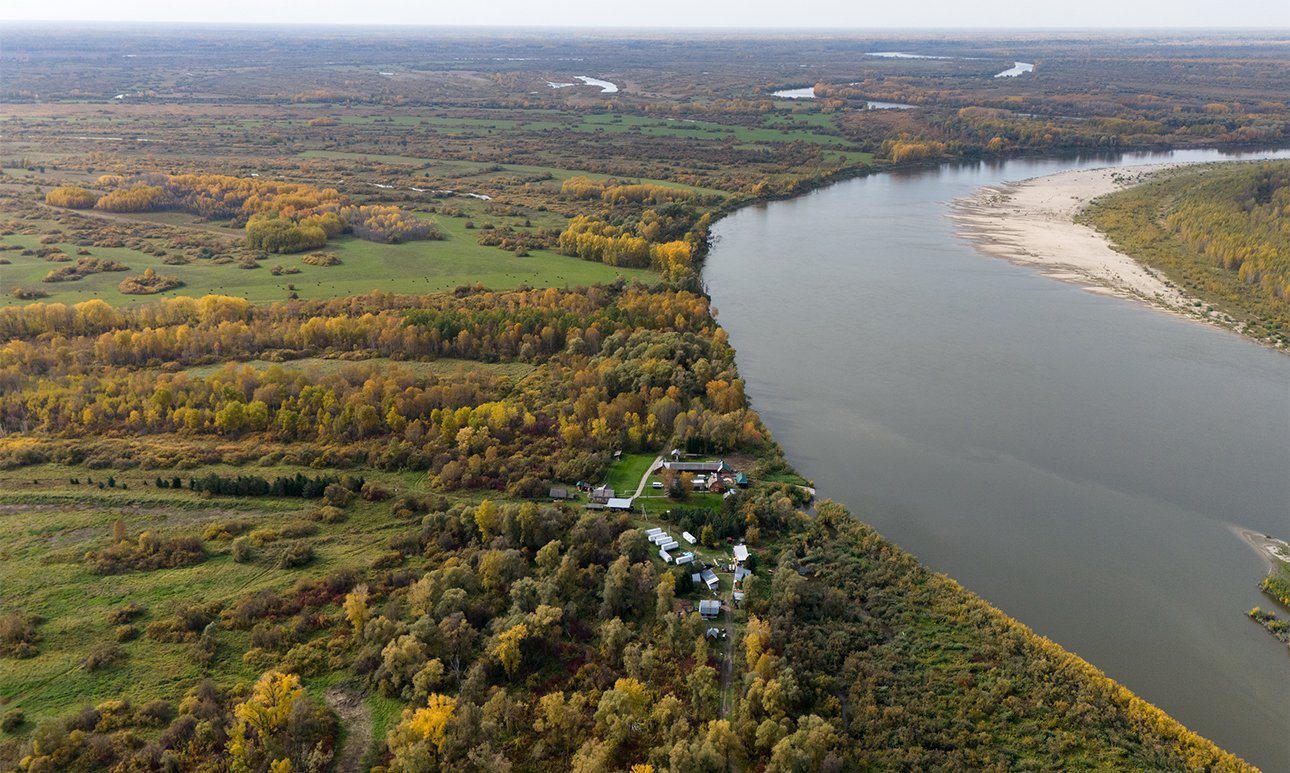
pixel 126 633
pixel 103 656
pixel 242 550
pixel 296 554
pixel 337 495
pixel 18 635
pixel 320 259
pixel 71 197
pixel 125 614
pixel 12 720
pixel 147 553
pixel 148 283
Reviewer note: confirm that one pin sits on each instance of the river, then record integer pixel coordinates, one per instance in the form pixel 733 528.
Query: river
pixel 1078 460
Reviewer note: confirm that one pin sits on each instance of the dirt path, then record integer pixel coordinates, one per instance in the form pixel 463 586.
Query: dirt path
pixel 728 662
pixel 645 478
pixel 357 721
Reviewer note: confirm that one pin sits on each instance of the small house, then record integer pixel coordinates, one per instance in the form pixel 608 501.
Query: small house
pixel 617 503
pixel 602 494
pixel 669 545
pixel 709 608
pixel 659 538
pixel 710 579
pixel 696 578
pixel 741 480
pixel 666 556
pixel 560 492
pixel 713 633
pixel 741 573
pixel 684 558
pixel 688 537
pixel 741 552
pixel 652 531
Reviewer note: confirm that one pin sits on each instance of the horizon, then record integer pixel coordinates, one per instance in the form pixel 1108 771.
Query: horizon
pixel 821 15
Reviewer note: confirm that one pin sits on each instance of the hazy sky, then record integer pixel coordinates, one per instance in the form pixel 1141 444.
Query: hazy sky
pixel 676 13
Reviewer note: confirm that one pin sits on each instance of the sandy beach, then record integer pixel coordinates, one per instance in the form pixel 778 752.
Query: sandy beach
pixel 1031 222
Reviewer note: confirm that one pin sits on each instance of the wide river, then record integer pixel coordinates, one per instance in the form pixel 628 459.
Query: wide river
pixel 1081 461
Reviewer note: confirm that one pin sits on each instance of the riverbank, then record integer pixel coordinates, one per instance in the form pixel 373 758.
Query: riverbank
pixel 1032 222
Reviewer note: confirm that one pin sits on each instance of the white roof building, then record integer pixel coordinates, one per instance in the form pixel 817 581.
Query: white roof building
pixel 689 537
pixel 669 545
pixel 684 558
pixel 666 556
pixel 741 551
pixel 618 503
pixel 709 608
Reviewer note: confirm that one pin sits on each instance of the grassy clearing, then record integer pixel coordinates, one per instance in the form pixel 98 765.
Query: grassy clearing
pixel 413 267
pixel 44 541
pixel 625 474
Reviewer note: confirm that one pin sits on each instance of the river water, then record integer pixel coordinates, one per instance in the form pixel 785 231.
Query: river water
pixel 1081 461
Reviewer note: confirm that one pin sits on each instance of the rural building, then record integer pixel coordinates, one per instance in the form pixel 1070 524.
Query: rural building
pixel 741 573
pixel 653 531
pixel 616 503
pixel 713 633
pixel 666 556
pixel 602 494
pixel 688 537
pixel 741 552
pixel 699 467
pixel 658 538
pixel 669 545
pixel 560 492
pixel 684 558
pixel 710 608
pixel 710 579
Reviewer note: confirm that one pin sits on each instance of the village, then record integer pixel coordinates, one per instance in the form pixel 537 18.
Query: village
pixel 719 570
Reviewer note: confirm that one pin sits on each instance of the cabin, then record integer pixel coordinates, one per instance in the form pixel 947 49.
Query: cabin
pixel 602 494
pixel 713 633
pixel 741 480
pixel 659 537
pixel 559 493
pixel 617 503
pixel 652 531
pixel 741 552
pixel 688 537
pixel 684 558
pixel 715 486
pixel 710 579
pixel 666 556
pixel 709 609
pixel 669 545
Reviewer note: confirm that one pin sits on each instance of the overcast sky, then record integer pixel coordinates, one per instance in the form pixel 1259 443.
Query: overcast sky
pixel 830 14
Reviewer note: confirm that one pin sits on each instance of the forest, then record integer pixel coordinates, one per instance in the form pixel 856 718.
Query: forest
pixel 1222 231
pixel 303 356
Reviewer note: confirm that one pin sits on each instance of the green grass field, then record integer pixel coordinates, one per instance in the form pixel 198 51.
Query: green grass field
pixel 625 474
pixel 413 267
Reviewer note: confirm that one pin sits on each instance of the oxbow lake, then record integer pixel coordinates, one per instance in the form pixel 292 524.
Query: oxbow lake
pixel 1079 460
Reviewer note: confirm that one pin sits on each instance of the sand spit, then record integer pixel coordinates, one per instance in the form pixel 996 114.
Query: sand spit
pixel 1031 222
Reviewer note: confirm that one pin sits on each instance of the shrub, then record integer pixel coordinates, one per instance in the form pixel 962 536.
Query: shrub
pixel 337 495
pixel 103 656
pixel 147 553
pixel 320 259
pixel 18 635
pixel 148 283
pixel 242 550
pixel 126 633
pixel 296 554
pixel 71 197
pixel 125 614
pixel 12 720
